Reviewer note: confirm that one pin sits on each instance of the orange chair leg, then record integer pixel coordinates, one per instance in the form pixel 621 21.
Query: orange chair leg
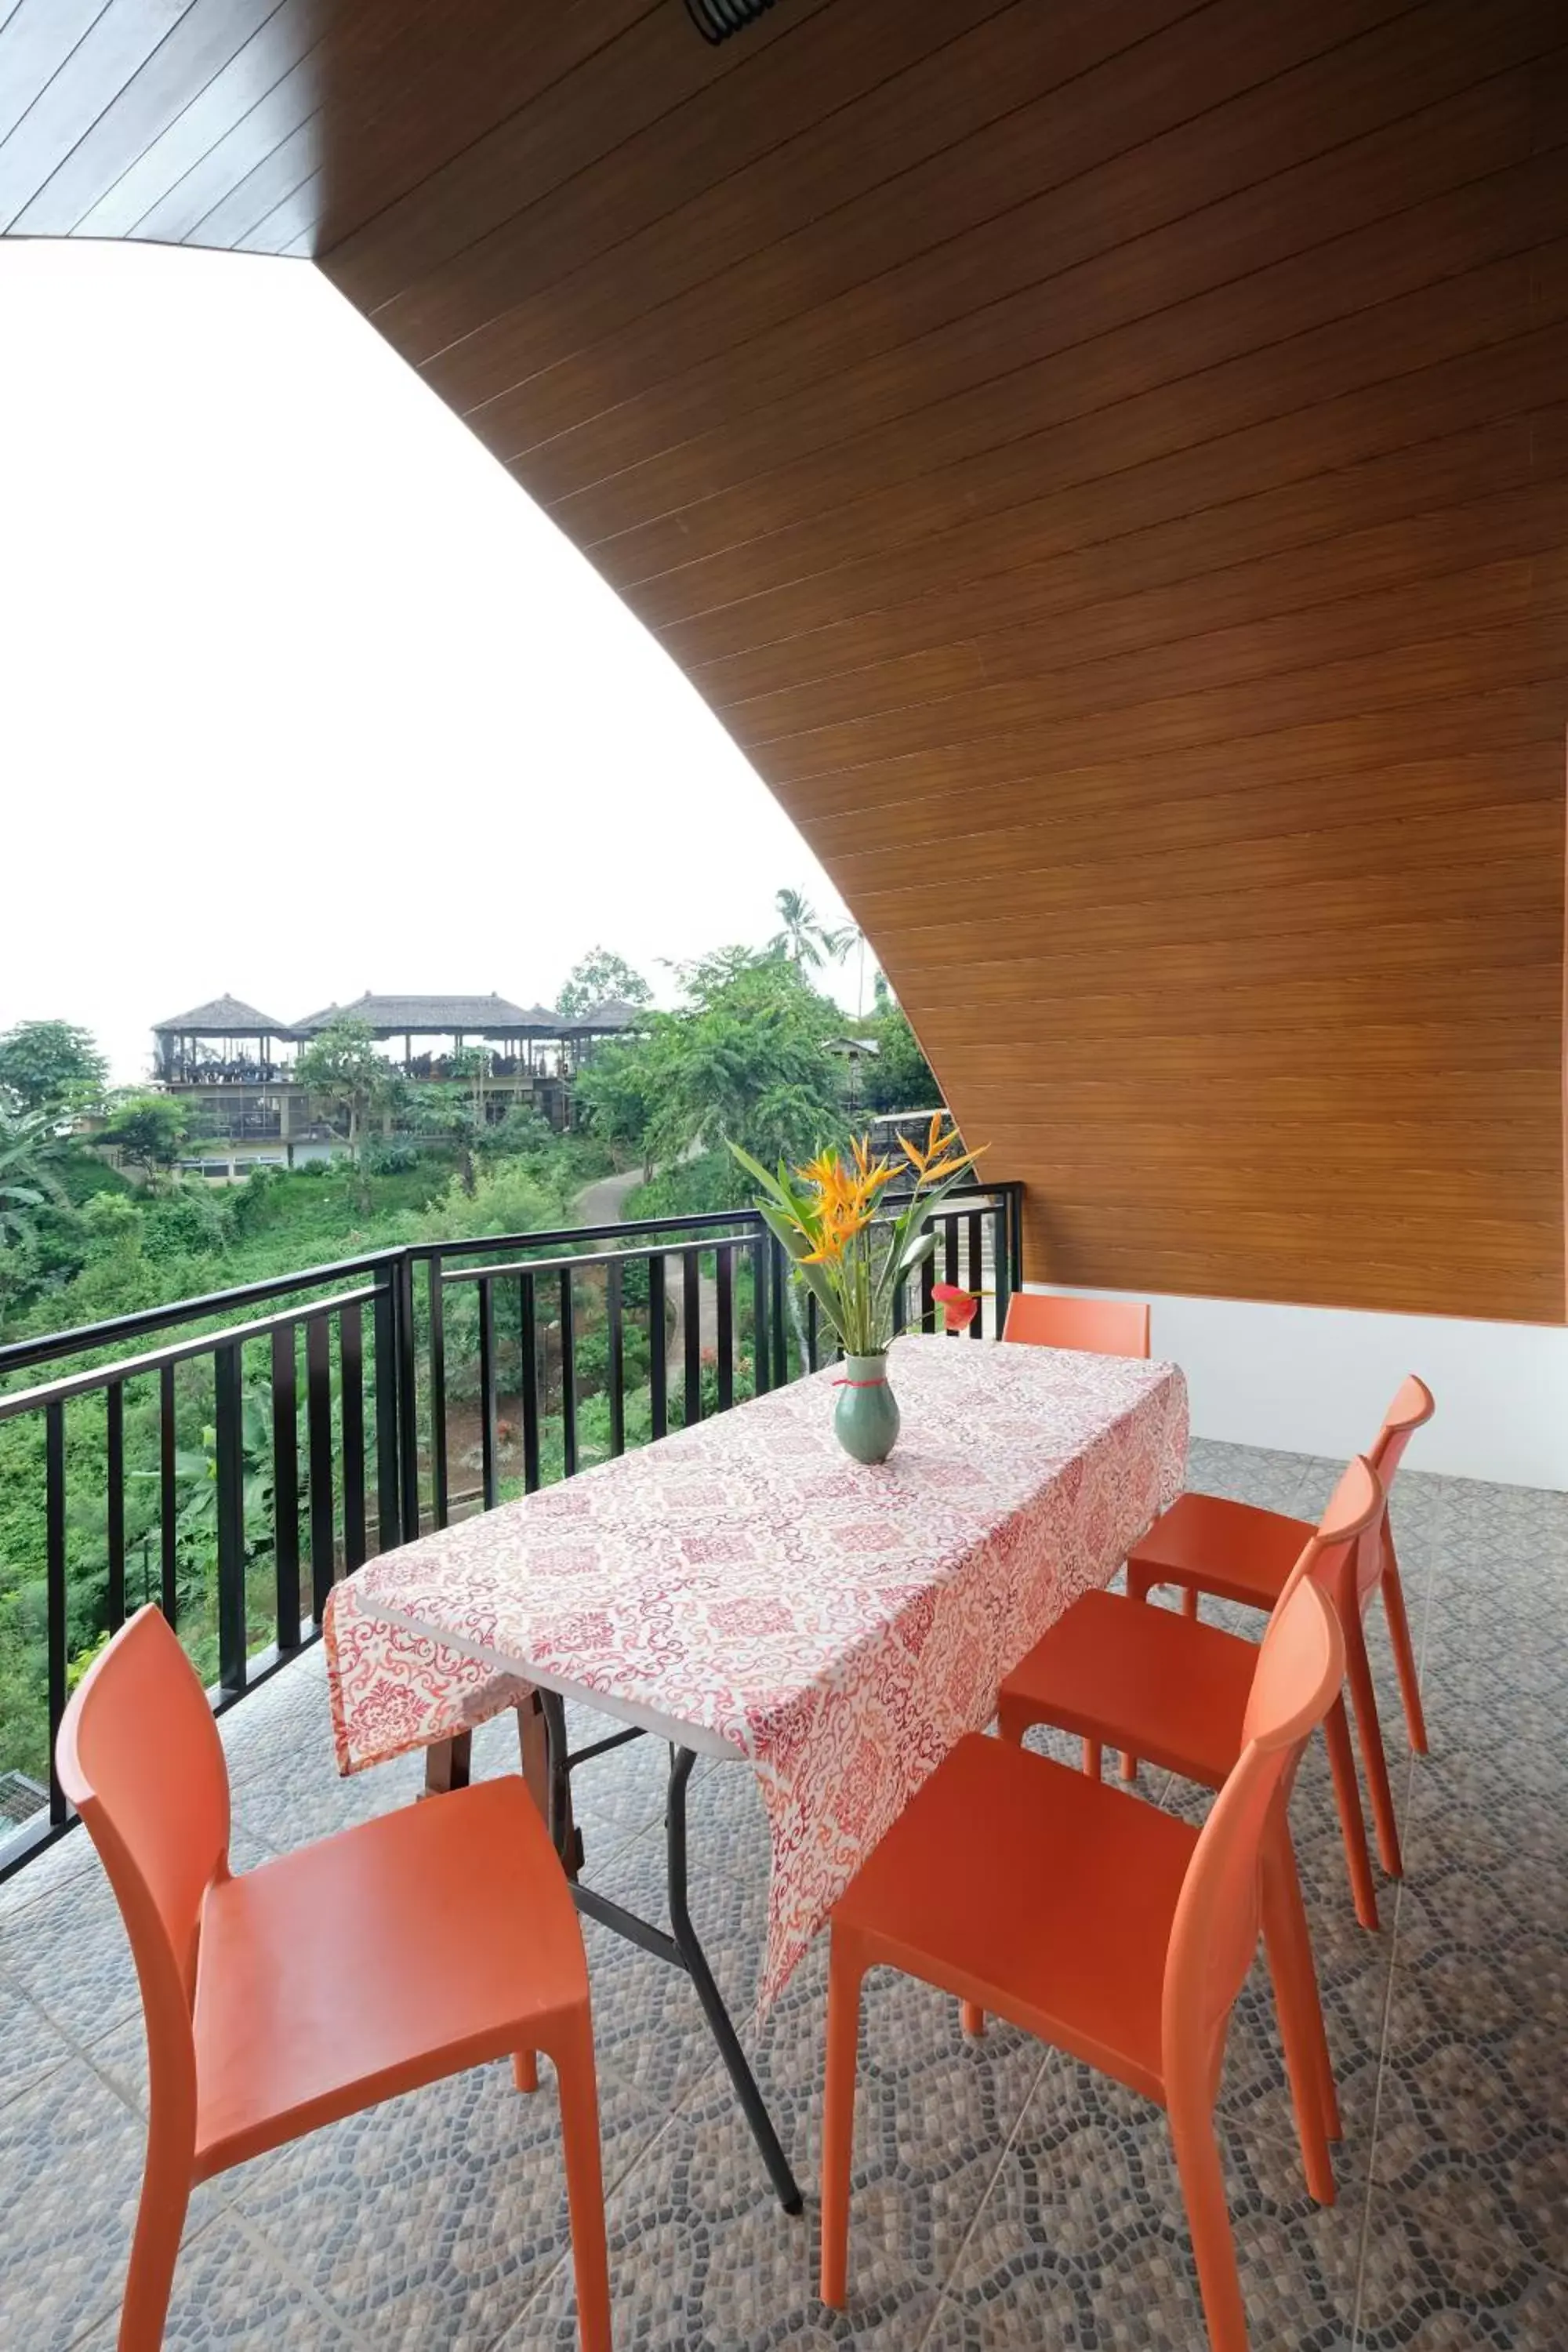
pixel 838 2120
pixel 972 2020
pixel 1352 1821
pixel 1301 2014
pixel 1190 1600
pixel 154 2250
pixel 584 2182
pixel 1364 1698
pixel 1208 2218
pixel 1403 1649
pixel 525 2070
pixel 1093 1757
pixel 1138 1587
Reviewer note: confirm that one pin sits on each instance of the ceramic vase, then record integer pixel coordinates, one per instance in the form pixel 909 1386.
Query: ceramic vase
pixel 866 1417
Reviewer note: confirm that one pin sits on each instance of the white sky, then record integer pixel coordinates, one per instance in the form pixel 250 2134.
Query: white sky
pixel 300 695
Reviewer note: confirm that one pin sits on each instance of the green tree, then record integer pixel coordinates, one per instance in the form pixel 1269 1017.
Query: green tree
pixel 601 974
pixel 343 1069
pixel 50 1065
pixel 745 1061
pixel 900 1078
pixel 150 1130
pixel 804 940
pixel 27 1181
pixel 447 1112
pixel 616 1092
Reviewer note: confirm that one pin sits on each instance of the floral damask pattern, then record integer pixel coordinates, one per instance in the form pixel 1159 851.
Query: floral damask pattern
pixel 840 1626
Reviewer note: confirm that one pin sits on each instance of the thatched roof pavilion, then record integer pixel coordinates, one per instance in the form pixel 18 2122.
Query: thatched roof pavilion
pixel 437 1016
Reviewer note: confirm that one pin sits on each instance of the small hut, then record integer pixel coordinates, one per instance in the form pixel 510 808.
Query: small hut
pixel 223 1041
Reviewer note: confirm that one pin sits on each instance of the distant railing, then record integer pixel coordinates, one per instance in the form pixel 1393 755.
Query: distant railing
pixel 378 1397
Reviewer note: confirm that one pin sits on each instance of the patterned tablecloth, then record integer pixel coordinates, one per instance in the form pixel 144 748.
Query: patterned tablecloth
pixel 842 1626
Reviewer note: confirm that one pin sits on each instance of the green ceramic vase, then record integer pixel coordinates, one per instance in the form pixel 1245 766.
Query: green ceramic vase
pixel 866 1417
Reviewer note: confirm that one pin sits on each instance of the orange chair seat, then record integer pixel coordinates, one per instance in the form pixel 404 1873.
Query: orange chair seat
pixel 1236 1550
pixel 1037 1893
pixel 1114 1670
pixel 440 1930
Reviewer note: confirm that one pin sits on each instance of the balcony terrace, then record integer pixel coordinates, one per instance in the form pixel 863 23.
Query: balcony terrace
pixel 1106 466
pixel 1004 2198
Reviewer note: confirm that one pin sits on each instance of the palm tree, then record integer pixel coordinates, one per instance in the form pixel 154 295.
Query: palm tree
pixel 804 939
pixel 27 1180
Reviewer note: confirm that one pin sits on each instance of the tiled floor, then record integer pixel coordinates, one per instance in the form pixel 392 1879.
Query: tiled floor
pixel 1004 2198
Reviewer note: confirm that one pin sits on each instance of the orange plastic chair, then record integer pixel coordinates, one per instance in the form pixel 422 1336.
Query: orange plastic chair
pixel 374 1962
pixel 1122 1675
pixel 1106 1926
pixel 1102 1327
pixel 1237 1552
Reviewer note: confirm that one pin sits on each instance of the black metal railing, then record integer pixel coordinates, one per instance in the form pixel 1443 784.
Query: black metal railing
pixel 237 1467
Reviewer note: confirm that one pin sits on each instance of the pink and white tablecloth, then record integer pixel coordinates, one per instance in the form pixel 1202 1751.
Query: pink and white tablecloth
pixel 842 1626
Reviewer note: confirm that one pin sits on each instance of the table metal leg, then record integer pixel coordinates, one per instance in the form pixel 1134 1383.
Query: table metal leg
pixel 695 1962
pixel 681 1948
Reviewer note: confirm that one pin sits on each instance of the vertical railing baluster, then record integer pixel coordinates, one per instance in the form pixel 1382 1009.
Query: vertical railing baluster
pixel 1001 1264
pixel 385 1341
pixel 928 1285
pixel 168 1496
pixel 229 1449
pixel 724 1286
pixel 437 1392
pixel 976 1268
pixel 777 1312
pixel 408 1401
pixel 691 1331
pixel 949 1249
pixel 761 1344
pixel 286 1485
pixel 658 1364
pixel 616 1318
pixel 318 1426
pixel 351 1377
pixel 488 1439
pixel 114 1438
pixel 568 1377
pixel 54 1586
pixel 528 1351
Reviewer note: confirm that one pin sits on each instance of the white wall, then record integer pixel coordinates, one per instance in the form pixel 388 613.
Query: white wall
pixel 1315 1379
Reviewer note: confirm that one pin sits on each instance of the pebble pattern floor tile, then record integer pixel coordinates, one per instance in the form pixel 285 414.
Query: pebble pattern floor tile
pixel 1005 2200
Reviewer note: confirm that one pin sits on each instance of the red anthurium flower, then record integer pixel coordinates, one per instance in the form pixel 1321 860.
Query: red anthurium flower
pixel 959 1308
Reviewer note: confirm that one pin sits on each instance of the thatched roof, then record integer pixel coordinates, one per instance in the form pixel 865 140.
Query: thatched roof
pixel 225 1016
pixel 615 1013
pixel 435 1016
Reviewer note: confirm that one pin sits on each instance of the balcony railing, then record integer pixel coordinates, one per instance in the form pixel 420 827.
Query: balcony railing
pixel 273 1452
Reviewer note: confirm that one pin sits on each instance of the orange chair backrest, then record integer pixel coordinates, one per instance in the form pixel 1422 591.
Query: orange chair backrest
pixel 1102 1327
pixel 139 1757
pixel 1300 1665
pixel 1413 1406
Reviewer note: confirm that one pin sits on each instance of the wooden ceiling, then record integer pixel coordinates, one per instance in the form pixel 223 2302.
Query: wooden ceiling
pixel 1106 462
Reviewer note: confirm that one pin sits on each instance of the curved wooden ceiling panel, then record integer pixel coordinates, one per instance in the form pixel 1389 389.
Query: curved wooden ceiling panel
pixel 1107 464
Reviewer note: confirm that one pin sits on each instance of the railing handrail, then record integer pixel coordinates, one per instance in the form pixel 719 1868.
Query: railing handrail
pixel 130 1368
pixel 20 1355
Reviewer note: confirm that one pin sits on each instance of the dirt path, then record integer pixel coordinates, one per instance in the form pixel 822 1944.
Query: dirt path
pixel 602 1203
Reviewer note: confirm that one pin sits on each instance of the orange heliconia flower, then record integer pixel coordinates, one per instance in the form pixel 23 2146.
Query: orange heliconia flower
pixel 941 1156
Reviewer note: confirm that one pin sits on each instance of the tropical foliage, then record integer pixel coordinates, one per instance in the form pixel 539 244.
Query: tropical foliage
pixel 804 940
pixel 602 976
pixel 49 1065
